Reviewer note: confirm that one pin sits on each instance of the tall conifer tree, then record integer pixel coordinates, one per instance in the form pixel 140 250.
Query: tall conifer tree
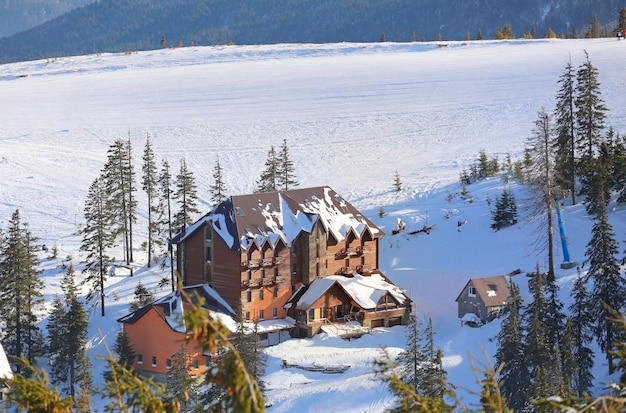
pixel 286 177
pixel 67 340
pixel 98 238
pixel 510 355
pixel 21 292
pixel 186 195
pixel 149 183
pixel 165 221
pixel 564 142
pixel 582 323
pixel 218 189
pixel 268 182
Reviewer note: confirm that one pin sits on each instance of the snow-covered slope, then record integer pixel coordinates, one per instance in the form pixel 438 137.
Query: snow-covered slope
pixel 352 114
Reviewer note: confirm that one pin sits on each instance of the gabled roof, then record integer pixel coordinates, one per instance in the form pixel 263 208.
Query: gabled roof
pixel 244 220
pixel 172 307
pixel 365 291
pixel 493 291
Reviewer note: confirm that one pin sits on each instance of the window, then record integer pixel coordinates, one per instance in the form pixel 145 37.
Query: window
pixel 275 272
pixel 249 296
pixel 247 315
pixel 312 314
pixel 261 315
pixel 293 268
pixel 168 363
pixel 275 292
pixel 154 360
pixel 275 313
pixel 208 254
pixel 196 364
pixel 262 272
pixel 248 275
pixel 139 358
pixel 260 294
pixel 208 234
pixel 471 291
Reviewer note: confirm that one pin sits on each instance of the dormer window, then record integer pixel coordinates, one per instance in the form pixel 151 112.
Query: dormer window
pixel 239 211
pixel 471 291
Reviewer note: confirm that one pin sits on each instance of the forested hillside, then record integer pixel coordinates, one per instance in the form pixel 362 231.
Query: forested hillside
pixel 122 25
pixel 19 15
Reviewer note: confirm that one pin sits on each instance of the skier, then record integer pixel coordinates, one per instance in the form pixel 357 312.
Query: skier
pixel 44 248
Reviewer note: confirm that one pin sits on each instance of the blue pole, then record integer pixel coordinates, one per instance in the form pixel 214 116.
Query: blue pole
pixel 562 232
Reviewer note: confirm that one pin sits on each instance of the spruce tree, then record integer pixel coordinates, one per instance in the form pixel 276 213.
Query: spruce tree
pixel 411 358
pixel 248 345
pixel 609 286
pixel 118 178
pixel 268 182
pixel 590 117
pixel 540 173
pixel 505 213
pixel 186 195
pixel 397 183
pixel 569 367
pixel 143 297
pixel 564 142
pixel 286 171
pixel 149 183
pixel 98 238
pixel 21 293
pixel 582 323
pixel 218 189
pixel 539 347
pixel 165 221
pixel 181 384
pixel 510 355
pixel 432 377
pixel 67 340
pixel 124 350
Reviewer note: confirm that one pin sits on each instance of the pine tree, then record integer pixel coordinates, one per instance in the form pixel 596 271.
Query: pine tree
pixel 540 173
pixel 505 213
pixel 268 181
pixel 397 183
pixel 569 367
pixel 590 116
pixel 97 239
pixel 539 347
pixel 182 385
pixel 124 350
pixel 609 286
pixel 621 22
pixel 411 358
pixel 582 322
pixel 165 222
pixel 618 169
pixel 247 344
pixel 510 355
pixel 21 292
pixel 432 382
pixel 118 178
pixel 594 29
pixel 218 189
pixel 286 170
pixel 186 195
pixel 143 297
pixel 67 341
pixel 149 183
pixel 564 142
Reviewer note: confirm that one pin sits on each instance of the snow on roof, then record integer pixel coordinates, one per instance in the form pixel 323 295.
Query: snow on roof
pixel 366 291
pixel 277 324
pixel 172 307
pixel 273 216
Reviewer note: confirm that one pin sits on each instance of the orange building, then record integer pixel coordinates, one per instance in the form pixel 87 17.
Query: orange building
pixel 156 331
pixel 261 251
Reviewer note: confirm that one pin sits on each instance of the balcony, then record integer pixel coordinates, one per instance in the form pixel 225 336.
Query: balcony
pixel 344 270
pixel 364 269
pixel 267 262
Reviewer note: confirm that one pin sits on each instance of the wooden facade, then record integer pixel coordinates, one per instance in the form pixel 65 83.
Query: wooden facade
pixel 258 250
pixel 484 297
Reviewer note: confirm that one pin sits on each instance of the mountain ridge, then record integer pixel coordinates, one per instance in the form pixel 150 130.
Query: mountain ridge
pixel 117 26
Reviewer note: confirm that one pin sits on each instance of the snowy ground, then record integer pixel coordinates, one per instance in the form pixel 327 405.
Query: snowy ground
pixel 352 114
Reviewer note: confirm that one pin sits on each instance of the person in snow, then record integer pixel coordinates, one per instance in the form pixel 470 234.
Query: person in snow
pixel 44 248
